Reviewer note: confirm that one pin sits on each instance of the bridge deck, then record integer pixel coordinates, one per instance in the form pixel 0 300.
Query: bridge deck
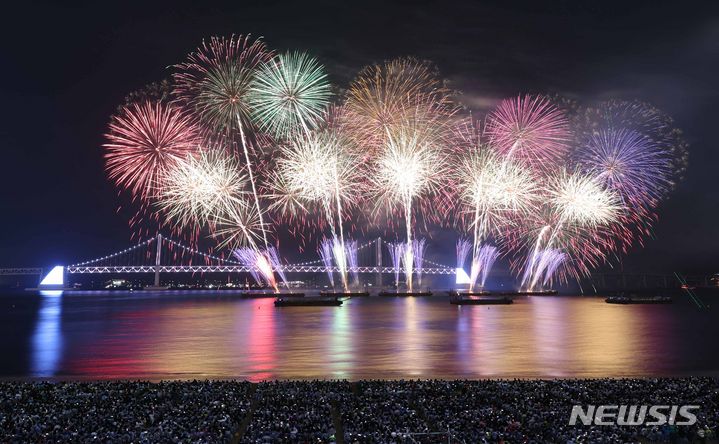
pixel 238 269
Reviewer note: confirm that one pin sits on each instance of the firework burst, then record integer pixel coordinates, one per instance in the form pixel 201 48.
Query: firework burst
pixel 202 188
pixel 530 129
pixel 494 192
pixel 386 96
pixel 319 170
pixel 238 226
pixel 630 164
pixel 145 140
pixel 289 94
pixel 411 166
pixel 575 228
pixel 215 82
pixel 582 200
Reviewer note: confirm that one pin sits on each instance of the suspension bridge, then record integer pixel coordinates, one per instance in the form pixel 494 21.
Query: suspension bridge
pixel 160 255
pixel 163 255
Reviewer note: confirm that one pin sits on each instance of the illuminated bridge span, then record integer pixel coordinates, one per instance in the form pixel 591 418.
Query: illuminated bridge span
pixel 241 269
pixel 162 255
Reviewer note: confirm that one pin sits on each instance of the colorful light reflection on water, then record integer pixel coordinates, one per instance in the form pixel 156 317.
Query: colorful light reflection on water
pixel 209 335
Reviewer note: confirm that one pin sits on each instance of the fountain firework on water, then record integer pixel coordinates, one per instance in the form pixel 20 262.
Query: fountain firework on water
pixel 338 250
pixel 326 253
pixel 481 265
pixel 463 247
pixel 541 267
pixel 396 252
pixel 419 247
pixel 259 264
pixel 274 259
pixel 351 248
pixel 333 255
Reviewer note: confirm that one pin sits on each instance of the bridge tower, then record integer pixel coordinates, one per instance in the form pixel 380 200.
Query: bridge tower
pixel 378 262
pixel 157 259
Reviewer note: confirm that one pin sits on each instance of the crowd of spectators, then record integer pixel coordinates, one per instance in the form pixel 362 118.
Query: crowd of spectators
pixel 370 411
pixel 296 412
pixel 138 412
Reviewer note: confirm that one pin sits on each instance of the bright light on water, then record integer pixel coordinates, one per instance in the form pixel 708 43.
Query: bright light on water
pixel 55 277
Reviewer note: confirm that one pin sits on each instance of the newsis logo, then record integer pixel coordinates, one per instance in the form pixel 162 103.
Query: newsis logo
pixel 634 415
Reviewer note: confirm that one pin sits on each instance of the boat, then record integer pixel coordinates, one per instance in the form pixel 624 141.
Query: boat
pixel 405 293
pixel 480 301
pixel 308 302
pixel 455 293
pixel 268 294
pixel 639 300
pixel 344 294
pixel 550 292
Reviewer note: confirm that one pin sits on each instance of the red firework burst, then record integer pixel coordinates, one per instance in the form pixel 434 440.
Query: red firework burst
pixel 143 141
pixel 530 129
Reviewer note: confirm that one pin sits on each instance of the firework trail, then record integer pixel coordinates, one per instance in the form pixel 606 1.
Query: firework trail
pixel 289 94
pixel 326 252
pixel 215 83
pixel 319 169
pixel 144 141
pixel 411 166
pixel 530 130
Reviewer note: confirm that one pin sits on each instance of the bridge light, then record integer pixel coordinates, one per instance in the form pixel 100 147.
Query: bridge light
pixel 462 277
pixel 55 278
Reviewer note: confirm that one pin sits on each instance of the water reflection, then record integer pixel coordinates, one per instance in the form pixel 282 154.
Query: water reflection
pixel 550 320
pixel 340 352
pixel 47 341
pixel 209 336
pixel 260 347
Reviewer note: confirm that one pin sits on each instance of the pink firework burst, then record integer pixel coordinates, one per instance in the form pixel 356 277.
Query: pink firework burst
pixel 143 141
pixel 530 129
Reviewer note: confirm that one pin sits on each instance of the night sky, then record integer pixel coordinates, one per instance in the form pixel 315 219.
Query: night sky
pixel 65 69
